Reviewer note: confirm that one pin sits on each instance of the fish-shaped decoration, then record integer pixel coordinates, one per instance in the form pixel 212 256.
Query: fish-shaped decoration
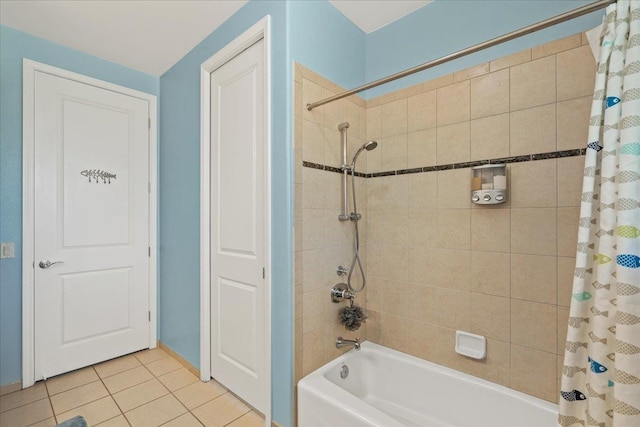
pixel 606 154
pixel 573 346
pixel 626 348
pixel 586 221
pixel 628 231
pixel 597 312
pixel 603 232
pixel 610 383
pixel 610 413
pixel 612 100
pixel 612 329
pixel 581 272
pixel 582 296
pixel 628 260
pixel 634 93
pixel 570 371
pixel 594 145
pixel 606 179
pixel 595 366
pixel 595 121
pixel 625 378
pixel 582 247
pixel 611 356
pixel 602 258
pixel 573 395
pixel 97 174
pixel 624 408
pixel 568 421
pixel 605 206
pixel 631 148
pixel 599 94
pixel 593 393
pixel 591 171
pixel 628 176
pixel 623 318
pixel 587 196
pixel 627 289
pixel 625 204
pixel 595 338
pixel 592 421
pixel 614 302
pixel 599 285
pixel 576 322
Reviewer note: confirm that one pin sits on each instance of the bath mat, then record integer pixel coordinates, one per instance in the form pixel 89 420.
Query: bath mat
pixel 78 421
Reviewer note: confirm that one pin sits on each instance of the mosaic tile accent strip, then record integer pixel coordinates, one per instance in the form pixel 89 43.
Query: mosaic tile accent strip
pixel 463 165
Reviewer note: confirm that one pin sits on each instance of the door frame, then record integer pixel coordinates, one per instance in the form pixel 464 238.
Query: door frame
pixel 28 206
pixel 257 32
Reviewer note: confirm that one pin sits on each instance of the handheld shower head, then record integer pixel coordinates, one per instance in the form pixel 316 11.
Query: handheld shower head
pixel 369 145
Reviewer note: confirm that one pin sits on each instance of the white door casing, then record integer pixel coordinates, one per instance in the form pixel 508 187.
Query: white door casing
pixel 235 219
pixel 97 303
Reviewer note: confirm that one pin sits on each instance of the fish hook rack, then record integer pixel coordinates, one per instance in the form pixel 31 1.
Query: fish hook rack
pixel 98 174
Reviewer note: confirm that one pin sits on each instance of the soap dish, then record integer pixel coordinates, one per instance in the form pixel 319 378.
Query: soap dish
pixel 471 345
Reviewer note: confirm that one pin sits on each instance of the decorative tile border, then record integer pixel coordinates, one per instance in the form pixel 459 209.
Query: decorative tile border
pixel 463 165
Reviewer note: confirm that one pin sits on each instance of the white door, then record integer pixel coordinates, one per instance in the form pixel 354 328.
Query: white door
pixel 238 226
pixel 91 222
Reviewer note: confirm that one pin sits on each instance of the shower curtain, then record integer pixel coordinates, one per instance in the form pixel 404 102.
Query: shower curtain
pixel 601 372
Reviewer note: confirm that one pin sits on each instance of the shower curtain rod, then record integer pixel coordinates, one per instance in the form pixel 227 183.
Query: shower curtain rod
pixel 592 7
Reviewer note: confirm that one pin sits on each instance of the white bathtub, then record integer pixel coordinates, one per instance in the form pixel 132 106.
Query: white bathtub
pixel 388 388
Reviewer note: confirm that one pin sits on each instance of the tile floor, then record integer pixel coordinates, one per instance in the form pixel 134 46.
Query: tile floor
pixel 148 388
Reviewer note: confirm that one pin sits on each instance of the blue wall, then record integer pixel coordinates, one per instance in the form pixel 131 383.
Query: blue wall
pixel 447 26
pixel 179 175
pixel 325 41
pixel 15 45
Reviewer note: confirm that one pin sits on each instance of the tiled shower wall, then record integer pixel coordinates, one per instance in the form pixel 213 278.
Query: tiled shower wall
pixel 437 262
pixel 322 242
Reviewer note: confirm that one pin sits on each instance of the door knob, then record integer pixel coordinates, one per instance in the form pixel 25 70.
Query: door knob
pixel 47 263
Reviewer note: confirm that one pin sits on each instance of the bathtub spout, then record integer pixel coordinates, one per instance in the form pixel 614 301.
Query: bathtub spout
pixel 341 342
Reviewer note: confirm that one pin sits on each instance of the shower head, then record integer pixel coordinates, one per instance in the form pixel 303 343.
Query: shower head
pixel 369 145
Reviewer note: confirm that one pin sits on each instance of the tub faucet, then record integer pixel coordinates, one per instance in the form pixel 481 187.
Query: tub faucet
pixel 341 342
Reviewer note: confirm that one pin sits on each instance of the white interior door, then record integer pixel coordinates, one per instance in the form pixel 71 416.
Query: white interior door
pixel 238 226
pixel 91 222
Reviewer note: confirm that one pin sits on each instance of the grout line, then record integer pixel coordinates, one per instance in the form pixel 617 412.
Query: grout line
pixel 55 418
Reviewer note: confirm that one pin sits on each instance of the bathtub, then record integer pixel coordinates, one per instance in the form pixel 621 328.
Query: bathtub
pixel 388 388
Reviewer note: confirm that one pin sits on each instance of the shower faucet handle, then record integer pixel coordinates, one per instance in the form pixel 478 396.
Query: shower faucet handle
pixel 341 271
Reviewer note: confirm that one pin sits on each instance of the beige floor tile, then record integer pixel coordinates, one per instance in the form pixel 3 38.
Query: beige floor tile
pixel 163 366
pixel 126 379
pixel 119 421
pixel 250 419
pixel 22 397
pixel 139 395
pixel 199 393
pixel 28 414
pixel 78 396
pixel 156 413
pixel 115 366
pixel 221 411
pixel 178 379
pixel 71 380
pixel 186 420
pixel 94 412
pixel 148 356
pixel 49 422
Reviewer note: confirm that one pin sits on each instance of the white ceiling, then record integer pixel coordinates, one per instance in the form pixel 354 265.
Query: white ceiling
pixel 152 35
pixel 371 15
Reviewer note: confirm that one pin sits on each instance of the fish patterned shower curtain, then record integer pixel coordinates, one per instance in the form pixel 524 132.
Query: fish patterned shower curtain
pixel 601 372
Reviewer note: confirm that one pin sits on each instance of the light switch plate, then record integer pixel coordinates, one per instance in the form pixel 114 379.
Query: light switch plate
pixel 7 250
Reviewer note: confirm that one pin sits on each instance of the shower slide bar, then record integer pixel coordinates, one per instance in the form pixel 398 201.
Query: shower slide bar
pixel 592 7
